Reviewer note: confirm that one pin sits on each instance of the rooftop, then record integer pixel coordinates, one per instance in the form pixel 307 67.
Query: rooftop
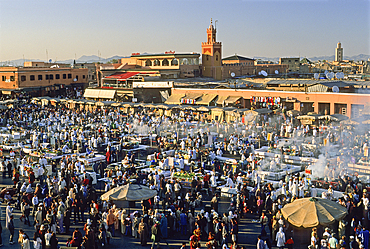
pixel 237 57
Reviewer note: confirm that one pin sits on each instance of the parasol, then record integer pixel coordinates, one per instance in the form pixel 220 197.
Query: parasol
pixel 311 212
pixel 129 192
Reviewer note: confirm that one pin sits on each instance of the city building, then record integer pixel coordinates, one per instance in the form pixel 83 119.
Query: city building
pixel 39 78
pixel 293 64
pixel 91 71
pixel 349 104
pixel 169 65
pixel 238 66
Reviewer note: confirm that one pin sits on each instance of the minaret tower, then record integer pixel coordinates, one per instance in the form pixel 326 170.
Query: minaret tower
pixel 211 55
pixel 339 52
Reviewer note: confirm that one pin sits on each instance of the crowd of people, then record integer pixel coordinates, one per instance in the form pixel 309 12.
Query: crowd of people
pixel 52 202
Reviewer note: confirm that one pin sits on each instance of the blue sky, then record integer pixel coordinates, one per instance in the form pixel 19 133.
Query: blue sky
pixel 268 28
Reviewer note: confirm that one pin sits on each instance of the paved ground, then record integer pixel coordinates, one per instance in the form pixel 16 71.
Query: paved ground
pixel 248 230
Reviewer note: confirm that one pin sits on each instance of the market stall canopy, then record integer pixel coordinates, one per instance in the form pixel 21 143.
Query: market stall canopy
pixel 339 117
pixel 350 122
pixel 232 99
pixel 174 99
pixel 117 104
pixel 166 107
pixel 129 192
pixel 242 110
pixel 203 109
pixel 311 212
pixel 262 111
pixel 187 107
pixel 312 117
pixel 221 100
pixel 99 93
pixel 55 100
pixel 206 99
pixel 292 112
pixel 104 103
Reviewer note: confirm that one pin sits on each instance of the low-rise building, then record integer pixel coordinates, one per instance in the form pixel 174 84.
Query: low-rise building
pixel 41 79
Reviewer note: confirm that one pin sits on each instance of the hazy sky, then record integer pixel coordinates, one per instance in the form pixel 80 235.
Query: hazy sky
pixel 269 28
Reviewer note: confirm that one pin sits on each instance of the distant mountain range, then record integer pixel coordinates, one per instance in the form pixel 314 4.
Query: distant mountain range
pixel 95 58
pixel 360 57
pixel 82 59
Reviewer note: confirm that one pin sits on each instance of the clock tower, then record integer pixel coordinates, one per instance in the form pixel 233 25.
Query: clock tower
pixel 211 55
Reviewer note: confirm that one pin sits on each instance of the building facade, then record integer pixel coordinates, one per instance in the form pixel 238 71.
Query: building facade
pixel 42 78
pixel 168 64
pixel 349 104
pixel 293 64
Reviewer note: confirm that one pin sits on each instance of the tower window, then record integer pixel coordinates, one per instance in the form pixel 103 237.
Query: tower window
pixel 216 57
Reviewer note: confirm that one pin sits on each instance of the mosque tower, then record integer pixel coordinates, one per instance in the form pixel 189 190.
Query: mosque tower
pixel 211 55
pixel 339 52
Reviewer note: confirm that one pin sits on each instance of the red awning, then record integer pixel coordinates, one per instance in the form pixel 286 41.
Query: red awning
pixel 122 76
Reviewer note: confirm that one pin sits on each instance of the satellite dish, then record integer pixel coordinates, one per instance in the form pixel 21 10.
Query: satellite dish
pixel 326 72
pixel 50 60
pixel 276 72
pixel 74 79
pixel 329 75
pixel 264 73
pixel 259 73
pixel 339 75
pixel 232 74
pixel 316 76
pixel 335 89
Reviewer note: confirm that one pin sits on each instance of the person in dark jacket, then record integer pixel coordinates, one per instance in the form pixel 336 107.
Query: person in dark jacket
pixel 11 229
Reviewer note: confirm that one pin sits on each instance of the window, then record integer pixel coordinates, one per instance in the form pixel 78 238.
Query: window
pixel 83 76
pixel 76 77
pixel 64 76
pixel 51 77
pixel 39 77
pixel 69 76
pixel 3 78
pixel 57 76
pixel 32 77
pixel 165 63
pixel 174 62
pixel 12 78
pixel 148 63
pixel 47 77
pixel 216 57
pixel 23 78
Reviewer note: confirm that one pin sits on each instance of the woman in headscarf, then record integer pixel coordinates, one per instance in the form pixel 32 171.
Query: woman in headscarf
pixel 191 222
pixel 143 232
pixel 163 226
pixel 280 238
